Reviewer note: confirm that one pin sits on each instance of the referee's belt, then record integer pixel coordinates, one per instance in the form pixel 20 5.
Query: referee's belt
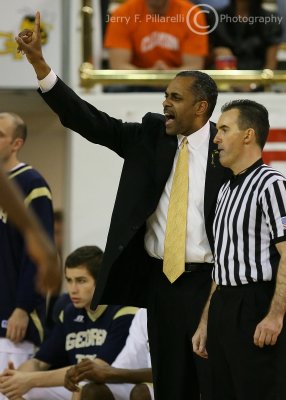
pixel 190 267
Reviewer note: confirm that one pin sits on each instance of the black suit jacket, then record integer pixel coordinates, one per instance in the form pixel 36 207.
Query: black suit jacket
pixel 148 154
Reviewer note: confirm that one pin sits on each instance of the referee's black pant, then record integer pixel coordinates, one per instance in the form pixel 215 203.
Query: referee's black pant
pixel 241 370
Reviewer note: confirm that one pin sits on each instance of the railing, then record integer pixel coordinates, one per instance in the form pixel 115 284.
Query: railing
pixel 224 78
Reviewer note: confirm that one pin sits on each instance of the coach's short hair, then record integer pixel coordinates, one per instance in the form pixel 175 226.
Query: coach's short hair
pixel 203 88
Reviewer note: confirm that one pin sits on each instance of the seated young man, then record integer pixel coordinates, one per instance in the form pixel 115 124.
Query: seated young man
pixel 98 335
pixel 130 375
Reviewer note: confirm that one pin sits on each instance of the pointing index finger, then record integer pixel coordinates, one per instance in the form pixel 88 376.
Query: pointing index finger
pixel 37 29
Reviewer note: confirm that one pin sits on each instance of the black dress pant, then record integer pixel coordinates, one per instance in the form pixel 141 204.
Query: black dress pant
pixel 241 370
pixel 174 311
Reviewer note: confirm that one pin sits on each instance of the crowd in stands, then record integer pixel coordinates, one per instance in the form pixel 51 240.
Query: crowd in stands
pixel 254 45
pixel 173 34
pixel 153 34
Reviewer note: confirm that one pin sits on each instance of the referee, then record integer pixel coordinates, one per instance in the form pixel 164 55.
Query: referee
pixel 243 326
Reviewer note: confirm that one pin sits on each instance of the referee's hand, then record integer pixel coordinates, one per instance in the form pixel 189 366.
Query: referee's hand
pixel 268 330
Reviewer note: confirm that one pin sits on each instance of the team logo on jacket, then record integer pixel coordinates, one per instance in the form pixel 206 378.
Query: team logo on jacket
pixel 79 318
pixel 89 338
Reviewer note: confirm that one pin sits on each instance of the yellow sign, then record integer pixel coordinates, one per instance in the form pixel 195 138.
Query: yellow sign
pixel 9 45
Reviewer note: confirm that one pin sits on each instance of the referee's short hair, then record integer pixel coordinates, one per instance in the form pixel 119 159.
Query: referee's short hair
pixel 88 256
pixel 251 115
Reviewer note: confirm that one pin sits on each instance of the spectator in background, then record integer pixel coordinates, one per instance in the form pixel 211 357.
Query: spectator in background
pixel 81 333
pixel 254 44
pixel 22 309
pixel 154 34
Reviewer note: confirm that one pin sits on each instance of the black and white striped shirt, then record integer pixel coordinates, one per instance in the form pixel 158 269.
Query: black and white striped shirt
pixel 250 219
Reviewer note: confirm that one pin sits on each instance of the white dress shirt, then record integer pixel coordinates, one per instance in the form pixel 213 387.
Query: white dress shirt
pixel 197 245
pixel 48 82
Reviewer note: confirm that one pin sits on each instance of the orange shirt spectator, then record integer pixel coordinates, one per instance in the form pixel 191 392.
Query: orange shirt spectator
pixel 171 36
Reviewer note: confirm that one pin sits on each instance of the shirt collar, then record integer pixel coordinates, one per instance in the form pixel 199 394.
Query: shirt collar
pixel 197 138
pixel 239 178
pixel 16 167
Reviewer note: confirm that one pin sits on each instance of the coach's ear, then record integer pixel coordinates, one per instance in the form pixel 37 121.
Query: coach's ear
pixel 201 107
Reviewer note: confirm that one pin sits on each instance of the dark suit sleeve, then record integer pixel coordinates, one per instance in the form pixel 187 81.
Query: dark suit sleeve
pixel 94 125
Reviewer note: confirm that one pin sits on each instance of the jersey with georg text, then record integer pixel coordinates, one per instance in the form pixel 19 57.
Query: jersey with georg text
pixel 85 335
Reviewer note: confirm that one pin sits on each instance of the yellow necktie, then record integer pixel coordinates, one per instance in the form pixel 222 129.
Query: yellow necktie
pixel 175 237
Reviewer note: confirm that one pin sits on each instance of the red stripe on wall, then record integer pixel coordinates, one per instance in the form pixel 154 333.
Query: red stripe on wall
pixel 277 135
pixel 269 156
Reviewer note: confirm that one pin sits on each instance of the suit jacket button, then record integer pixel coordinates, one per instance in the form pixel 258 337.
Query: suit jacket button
pixel 120 247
